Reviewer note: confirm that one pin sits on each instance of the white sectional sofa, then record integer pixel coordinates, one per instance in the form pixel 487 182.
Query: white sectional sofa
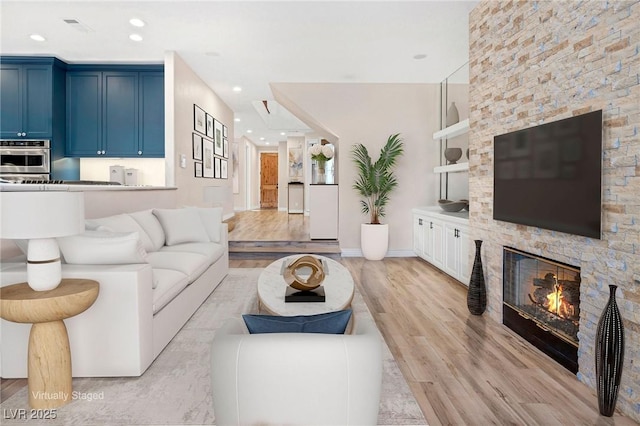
pixel 154 267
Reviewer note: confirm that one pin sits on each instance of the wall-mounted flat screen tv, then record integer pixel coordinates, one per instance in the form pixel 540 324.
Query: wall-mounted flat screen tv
pixel 550 176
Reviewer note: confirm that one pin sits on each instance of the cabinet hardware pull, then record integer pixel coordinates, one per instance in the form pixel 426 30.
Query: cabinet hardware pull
pixel 420 222
pixel 430 225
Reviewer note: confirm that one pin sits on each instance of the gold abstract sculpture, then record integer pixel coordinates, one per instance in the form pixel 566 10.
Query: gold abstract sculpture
pixel 314 280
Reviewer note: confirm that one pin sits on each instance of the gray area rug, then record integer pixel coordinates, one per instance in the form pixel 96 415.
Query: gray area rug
pixel 176 389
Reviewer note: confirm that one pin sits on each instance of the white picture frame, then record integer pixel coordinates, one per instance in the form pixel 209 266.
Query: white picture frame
pixel 209 132
pixel 223 169
pixel 217 138
pixel 196 141
pixel 218 167
pixel 208 162
pixel 199 120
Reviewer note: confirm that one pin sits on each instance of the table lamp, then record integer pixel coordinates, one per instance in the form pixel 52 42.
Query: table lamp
pixel 40 217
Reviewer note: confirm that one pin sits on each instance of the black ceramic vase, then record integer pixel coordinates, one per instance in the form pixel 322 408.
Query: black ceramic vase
pixel 609 354
pixel 477 292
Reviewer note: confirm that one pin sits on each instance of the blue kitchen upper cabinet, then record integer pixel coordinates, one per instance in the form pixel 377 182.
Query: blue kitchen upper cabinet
pixel 115 113
pixel 27 100
pixel 10 101
pixel 120 113
pixel 84 114
pixel 151 137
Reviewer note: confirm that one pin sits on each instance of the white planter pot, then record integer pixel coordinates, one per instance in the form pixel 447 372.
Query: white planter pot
pixel 374 240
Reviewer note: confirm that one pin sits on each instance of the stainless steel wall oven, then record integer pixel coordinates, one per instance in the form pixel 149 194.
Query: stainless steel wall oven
pixel 25 159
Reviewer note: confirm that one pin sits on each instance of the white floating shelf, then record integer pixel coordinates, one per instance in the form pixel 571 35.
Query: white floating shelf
pixel 452 168
pixel 449 132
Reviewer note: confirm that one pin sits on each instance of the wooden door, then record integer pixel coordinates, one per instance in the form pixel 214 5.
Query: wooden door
pixel 268 180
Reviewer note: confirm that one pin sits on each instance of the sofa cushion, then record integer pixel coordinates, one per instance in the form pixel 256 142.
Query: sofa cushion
pixel 102 248
pixel 212 221
pixel 166 276
pixel 213 251
pixel 181 226
pixel 328 323
pixel 121 223
pixel 190 264
pixel 149 222
pixel 168 284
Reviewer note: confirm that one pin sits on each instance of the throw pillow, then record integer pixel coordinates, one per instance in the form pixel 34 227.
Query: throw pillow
pixel 102 248
pixel 212 221
pixel 121 223
pixel 328 323
pixel 181 226
pixel 149 222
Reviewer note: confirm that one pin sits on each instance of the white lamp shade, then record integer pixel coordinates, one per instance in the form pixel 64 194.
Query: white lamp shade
pixel 37 214
pixel 40 217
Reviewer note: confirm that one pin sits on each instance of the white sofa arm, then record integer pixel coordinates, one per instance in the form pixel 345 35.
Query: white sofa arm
pixel 224 234
pixel 114 337
pixel 296 378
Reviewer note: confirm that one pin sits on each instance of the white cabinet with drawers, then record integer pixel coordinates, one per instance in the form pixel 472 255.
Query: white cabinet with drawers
pixel 442 239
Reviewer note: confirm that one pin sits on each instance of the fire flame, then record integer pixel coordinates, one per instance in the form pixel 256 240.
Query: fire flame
pixel 557 304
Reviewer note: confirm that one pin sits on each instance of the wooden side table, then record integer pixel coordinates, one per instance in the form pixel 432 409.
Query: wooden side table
pixel 49 368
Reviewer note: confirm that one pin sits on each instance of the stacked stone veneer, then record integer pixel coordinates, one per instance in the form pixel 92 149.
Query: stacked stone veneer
pixel 533 62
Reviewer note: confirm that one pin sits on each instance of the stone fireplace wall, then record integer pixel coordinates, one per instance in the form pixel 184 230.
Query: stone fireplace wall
pixel 533 62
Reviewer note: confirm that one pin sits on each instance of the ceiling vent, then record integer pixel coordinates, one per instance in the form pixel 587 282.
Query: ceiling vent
pixel 77 25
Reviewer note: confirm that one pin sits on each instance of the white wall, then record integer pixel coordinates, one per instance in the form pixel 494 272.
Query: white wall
pixel 185 89
pixel 369 113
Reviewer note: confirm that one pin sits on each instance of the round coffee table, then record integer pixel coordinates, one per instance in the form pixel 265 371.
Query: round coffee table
pixel 338 288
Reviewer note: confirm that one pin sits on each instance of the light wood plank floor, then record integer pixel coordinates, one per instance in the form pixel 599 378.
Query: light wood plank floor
pixel 462 369
pixel 269 225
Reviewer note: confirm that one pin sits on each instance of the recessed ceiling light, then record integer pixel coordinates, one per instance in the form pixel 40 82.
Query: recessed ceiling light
pixel 136 22
pixel 237 120
pixel 249 131
pixel 135 37
pixel 237 89
pixel 420 56
pixel 37 37
pixel 261 139
pixel 267 143
pixel 282 133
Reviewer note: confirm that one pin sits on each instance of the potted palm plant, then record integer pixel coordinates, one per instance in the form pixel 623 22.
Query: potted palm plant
pixel 374 183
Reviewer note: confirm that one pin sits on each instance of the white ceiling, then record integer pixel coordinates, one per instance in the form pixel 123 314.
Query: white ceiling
pixel 252 44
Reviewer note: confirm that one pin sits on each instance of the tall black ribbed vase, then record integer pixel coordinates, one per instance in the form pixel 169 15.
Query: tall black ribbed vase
pixel 477 293
pixel 609 354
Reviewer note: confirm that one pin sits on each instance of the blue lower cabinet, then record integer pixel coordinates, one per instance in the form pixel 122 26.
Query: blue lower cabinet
pixel 108 116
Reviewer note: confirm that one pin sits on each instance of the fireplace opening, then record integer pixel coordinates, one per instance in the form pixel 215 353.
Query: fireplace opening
pixel 542 304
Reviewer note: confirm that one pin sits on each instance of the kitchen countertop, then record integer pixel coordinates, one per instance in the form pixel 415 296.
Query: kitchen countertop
pixel 15 187
pixel 460 217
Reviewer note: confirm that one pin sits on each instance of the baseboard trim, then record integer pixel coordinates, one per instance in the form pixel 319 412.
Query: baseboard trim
pixel 356 252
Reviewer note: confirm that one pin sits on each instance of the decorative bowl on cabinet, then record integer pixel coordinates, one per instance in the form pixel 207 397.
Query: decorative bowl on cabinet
pixel 451 206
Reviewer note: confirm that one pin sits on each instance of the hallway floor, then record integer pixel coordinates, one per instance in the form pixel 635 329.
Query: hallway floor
pixel 269 225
